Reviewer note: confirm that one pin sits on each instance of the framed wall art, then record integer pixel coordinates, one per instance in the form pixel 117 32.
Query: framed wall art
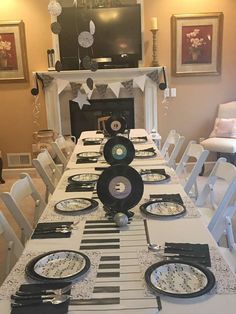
pixel 196 44
pixel 13 58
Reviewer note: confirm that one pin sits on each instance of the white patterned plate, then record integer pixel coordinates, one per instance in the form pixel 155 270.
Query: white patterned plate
pixel 163 209
pixel 179 278
pixel 72 205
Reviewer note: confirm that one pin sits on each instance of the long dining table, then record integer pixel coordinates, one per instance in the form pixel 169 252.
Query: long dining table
pixel 119 255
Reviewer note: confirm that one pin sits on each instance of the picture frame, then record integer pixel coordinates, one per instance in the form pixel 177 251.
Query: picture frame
pixel 196 44
pixel 13 56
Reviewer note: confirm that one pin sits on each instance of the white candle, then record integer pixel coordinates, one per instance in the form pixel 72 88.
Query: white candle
pixel 153 23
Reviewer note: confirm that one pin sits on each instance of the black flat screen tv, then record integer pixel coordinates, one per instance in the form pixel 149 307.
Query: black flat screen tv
pixel 117 35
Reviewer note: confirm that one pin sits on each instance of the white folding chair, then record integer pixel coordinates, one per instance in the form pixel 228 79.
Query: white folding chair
pixel 222 173
pixel 48 171
pixel 63 149
pixel 199 155
pixel 221 225
pixel 171 148
pixel 14 245
pixel 20 191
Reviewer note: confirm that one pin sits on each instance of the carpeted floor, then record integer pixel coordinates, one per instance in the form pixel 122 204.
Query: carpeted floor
pixel 28 206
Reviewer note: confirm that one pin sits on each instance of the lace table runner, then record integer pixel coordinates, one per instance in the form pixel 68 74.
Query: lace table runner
pixel 82 288
pixel 225 280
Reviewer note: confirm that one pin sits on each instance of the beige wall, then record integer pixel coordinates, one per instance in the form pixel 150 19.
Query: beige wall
pixel 16 101
pixel 191 112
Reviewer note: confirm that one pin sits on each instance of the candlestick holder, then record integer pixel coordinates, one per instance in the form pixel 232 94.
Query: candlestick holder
pixel 154 48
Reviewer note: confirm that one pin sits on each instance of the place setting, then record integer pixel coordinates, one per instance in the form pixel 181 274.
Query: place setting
pixel 154 176
pixel 82 182
pixel 49 230
pixel 87 157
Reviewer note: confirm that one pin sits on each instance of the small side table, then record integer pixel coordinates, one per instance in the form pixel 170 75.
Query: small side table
pixel 1 165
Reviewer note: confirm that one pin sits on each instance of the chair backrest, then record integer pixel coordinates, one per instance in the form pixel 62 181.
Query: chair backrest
pixel 221 221
pixel 62 149
pixel 48 170
pixel 227 110
pixel 171 147
pixel 14 245
pixel 222 171
pixel 20 191
pixel 197 152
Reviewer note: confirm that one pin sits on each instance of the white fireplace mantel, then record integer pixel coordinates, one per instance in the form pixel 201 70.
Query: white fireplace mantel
pixel 105 76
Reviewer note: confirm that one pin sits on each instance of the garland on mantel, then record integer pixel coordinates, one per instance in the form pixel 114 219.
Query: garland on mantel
pixel 81 88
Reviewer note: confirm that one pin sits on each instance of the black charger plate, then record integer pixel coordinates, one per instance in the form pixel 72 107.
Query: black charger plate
pixel 44 264
pixel 163 209
pixel 179 279
pixel 83 178
pixel 74 205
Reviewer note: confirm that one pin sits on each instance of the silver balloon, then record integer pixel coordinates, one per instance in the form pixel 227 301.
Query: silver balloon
pixel 121 219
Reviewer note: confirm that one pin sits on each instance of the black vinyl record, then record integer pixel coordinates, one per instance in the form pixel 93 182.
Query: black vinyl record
pixel 115 125
pixel 120 187
pixel 119 150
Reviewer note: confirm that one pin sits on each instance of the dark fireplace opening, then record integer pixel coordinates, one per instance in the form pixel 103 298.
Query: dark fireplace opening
pixel 88 118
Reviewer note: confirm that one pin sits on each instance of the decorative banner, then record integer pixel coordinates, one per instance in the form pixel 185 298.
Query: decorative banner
pixel 92 27
pixel 81 99
pixel 56 28
pixel 128 85
pixel 101 88
pixel 86 63
pixel 54 8
pixel 140 81
pixel 154 76
pixel 36 110
pixel 85 39
pixel 94 66
pixel 58 66
pixel 75 87
pixel 89 83
pixel 61 85
pixel 46 79
pixel 115 87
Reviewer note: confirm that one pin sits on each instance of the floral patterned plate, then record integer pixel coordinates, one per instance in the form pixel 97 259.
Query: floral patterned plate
pixel 162 209
pixel 84 178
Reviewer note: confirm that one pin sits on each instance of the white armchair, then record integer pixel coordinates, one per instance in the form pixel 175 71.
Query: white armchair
pixel 223 142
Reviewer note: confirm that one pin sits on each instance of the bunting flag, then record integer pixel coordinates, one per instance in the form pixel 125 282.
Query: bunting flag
pixel 101 88
pixel 75 87
pixel 128 85
pixel 87 90
pixel 36 110
pixel 81 99
pixel 140 81
pixel 61 85
pixel 154 76
pixel 115 87
pixel 46 79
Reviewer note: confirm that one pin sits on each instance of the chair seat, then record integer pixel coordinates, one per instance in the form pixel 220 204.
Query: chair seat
pixel 221 145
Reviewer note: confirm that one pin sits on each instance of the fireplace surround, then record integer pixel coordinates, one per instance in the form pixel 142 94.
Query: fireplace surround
pixel 145 103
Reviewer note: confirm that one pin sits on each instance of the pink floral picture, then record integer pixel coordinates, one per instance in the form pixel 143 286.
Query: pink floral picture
pixel 197 44
pixel 8 59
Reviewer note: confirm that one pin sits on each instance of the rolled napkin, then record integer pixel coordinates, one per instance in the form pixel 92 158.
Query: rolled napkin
pixel 167 197
pixel 86 160
pixel 49 230
pixel 198 253
pixel 73 187
pixel 39 289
